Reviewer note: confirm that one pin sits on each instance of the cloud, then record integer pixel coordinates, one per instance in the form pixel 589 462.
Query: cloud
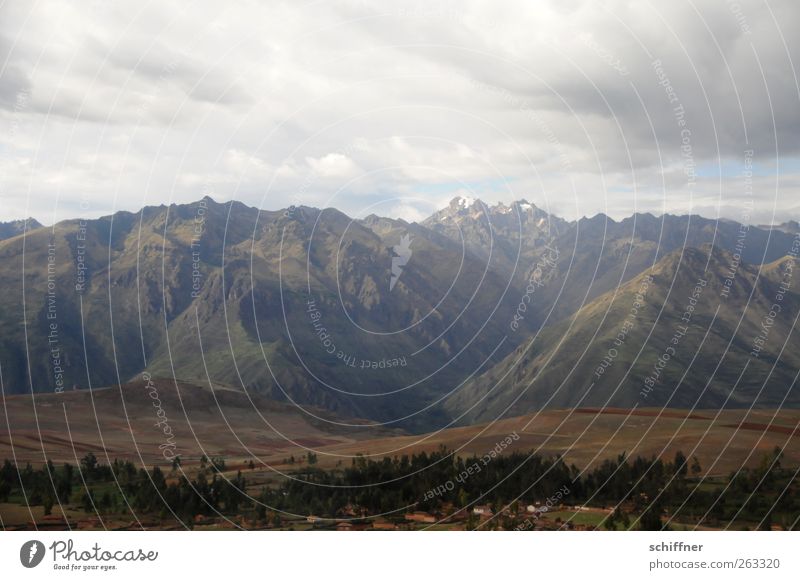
pixel 582 107
pixel 332 165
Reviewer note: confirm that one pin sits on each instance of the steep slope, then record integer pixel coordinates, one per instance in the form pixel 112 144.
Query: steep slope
pixel 309 301
pixel 683 333
pixel 595 255
pixel 299 304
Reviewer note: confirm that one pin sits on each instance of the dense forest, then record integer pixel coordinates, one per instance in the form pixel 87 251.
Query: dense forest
pixel 638 493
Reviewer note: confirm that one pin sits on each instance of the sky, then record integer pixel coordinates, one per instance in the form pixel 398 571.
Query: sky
pixel 395 108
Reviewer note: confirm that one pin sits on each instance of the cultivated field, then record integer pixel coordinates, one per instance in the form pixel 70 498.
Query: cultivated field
pixel 121 423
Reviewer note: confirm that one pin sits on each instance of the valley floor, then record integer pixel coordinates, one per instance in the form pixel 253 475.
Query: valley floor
pixel 267 445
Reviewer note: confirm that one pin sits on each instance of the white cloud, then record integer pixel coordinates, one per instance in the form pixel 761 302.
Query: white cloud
pixel 332 165
pixel 279 103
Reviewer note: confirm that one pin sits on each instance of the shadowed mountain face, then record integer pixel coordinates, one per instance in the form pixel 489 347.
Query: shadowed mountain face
pixel 380 319
pixel 17 228
pixel 681 334
pixel 297 304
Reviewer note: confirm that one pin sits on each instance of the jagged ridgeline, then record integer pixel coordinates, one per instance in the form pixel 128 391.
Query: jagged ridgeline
pixel 483 308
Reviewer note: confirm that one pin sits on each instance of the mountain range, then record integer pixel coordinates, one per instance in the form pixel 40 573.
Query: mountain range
pixel 475 313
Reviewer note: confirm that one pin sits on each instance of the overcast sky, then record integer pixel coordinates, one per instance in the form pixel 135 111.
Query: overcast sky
pixel 394 108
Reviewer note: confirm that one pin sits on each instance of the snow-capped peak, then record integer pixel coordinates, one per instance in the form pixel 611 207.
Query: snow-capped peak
pixel 524 205
pixel 466 202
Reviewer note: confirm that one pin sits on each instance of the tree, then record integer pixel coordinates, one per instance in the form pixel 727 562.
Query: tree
pixel 48 504
pixel 610 522
pixel 766 522
pixel 261 513
pixel 650 520
pixel 87 502
pixel 105 502
pixel 89 465
pixel 696 469
pixel 681 464
pixel 64 485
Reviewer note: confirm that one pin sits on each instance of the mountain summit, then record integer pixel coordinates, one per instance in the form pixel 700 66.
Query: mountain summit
pixel 506 235
pixel 17 227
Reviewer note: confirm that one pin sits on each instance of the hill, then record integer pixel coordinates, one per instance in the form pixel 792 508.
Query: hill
pixel 684 333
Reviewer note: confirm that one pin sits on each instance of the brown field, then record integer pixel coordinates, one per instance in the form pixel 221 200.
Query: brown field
pixel 586 436
pixel 121 423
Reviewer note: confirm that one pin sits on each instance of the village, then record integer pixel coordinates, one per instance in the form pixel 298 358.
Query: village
pixel 519 516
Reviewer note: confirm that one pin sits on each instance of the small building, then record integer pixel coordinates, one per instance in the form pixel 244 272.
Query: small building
pixel 202 520
pixel 344 527
pixel 350 527
pixel 483 511
pixel 458 516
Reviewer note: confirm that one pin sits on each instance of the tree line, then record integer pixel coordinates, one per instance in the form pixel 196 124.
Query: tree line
pixel 645 490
